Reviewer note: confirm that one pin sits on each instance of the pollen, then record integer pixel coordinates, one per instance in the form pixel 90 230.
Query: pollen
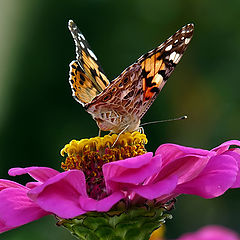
pixel 89 155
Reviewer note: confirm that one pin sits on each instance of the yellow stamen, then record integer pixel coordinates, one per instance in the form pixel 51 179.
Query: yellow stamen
pixel 99 148
pixel 89 155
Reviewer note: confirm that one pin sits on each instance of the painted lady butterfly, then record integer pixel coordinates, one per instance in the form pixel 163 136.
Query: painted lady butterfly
pixel 119 106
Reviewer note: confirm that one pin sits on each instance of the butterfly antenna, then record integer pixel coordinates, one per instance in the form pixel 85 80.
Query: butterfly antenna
pixel 167 120
pixel 119 135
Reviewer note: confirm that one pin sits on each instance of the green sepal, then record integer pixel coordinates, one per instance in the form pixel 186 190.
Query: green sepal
pixel 132 224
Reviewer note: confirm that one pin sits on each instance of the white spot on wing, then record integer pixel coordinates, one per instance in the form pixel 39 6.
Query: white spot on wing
pixel 177 58
pixel 158 79
pixel 187 40
pixel 92 54
pixel 82 45
pixel 81 36
pixel 172 56
pixel 168 48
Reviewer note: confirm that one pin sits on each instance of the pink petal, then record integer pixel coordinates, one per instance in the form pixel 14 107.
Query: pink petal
pixel 9 184
pixel 235 153
pixel 211 233
pixel 31 185
pixel 4 228
pixel 151 191
pixel 218 176
pixel 170 152
pixel 225 146
pixel 17 209
pixel 40 174
pixel 132 170
pixel 103 205
pixel 60 194
pixel 185 168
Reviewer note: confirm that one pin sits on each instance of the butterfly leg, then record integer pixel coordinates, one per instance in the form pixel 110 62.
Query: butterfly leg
pixel 119 135
pixel 99 132
pixel 141 130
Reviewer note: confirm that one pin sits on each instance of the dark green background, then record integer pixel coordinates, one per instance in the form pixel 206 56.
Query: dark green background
pixel 38 115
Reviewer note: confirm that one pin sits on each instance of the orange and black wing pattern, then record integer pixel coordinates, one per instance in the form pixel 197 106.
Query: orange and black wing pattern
pixel 158 64
pixel 86 76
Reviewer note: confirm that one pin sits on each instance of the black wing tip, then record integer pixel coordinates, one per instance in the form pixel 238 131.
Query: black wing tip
pixel 187 30
pixel 72 25
pixel 190 24
pixel 188 27
pixel 71 22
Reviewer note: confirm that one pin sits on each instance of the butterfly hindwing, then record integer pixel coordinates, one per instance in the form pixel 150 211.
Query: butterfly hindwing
pixel 86 75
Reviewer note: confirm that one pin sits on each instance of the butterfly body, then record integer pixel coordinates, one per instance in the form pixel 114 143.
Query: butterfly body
pixel 119 106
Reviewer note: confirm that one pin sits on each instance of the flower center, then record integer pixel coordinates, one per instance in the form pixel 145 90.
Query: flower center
pixel 89 155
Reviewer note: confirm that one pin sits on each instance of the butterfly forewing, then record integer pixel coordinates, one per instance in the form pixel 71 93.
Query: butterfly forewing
pixel 158 64
pixel 86 75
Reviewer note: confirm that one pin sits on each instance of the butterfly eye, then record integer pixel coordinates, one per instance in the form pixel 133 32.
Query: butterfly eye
pixel 107 97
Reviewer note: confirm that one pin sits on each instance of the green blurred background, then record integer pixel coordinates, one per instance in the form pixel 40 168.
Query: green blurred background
pixel 38 115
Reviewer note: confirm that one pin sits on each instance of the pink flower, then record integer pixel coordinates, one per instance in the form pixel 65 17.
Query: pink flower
pixel 211 233
pixel 179 170
pixel 200 172
pixel 16 208
pixel 174 170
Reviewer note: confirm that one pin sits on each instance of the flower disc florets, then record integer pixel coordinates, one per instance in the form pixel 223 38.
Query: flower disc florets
pixel 89 155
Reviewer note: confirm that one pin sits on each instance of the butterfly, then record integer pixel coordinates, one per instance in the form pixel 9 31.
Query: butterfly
pixel 119 105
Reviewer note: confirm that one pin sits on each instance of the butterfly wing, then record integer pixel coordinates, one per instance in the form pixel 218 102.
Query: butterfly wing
pixel 129 96
pixel 158 64
pixel 86 76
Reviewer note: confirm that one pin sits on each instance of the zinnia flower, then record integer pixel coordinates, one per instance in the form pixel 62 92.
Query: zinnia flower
pixel 99 178
pixel 211 233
